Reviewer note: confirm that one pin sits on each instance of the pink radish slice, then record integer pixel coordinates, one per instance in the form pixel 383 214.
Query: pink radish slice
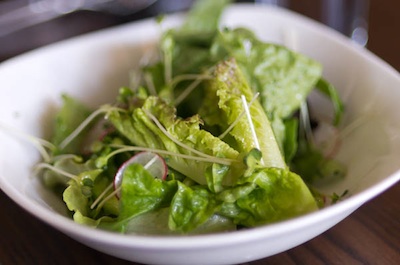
pixel 152 162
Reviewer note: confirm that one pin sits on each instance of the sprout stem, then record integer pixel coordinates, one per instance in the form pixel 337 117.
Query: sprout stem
pixel 187 91
pixel 55 169
pixel 180 78
pixel 305 123
pixel 197 80
pixel 161 127
pixel 125 148
pixel 86 122
pixel 233 124
pixel 150 84
pixel 112 194
pixel 151 162
pixel 248 115
pixel 101 196
pixel 39 143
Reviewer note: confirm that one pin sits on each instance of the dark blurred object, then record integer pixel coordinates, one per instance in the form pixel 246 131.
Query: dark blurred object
pixel 349 17
pixel 25 13
pixel 75 20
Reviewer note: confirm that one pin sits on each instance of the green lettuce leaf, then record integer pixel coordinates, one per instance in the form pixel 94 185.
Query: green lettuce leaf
pixel 191 207
pixel 81 192
pixel 140 129
pixel 203 17
pixel 223 106
pixel 266 195
pixel 283 77
pixel 141 193
pixel 329 90
pixel 71 115
pixel 313 166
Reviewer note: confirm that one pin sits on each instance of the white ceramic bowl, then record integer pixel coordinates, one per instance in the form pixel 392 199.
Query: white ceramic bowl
pixel 94 66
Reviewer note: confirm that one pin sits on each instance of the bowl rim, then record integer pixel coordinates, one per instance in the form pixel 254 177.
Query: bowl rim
pixel 68 226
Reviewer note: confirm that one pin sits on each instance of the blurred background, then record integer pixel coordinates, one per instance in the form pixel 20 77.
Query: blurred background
pixel 29 24
pixel 371 234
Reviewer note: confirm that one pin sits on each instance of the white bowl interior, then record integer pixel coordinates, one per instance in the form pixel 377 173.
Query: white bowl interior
pixel 93 67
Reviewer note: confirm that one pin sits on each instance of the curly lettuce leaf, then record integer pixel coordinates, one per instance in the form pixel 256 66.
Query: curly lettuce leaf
pixel 223 106
pixel 141 130
pixel 80 194
pixel 266 195
pixel 191 207
pixel 141 193
pixel 283 77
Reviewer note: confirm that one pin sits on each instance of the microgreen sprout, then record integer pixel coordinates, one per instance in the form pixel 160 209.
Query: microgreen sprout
pixel 112 194
pixel 166 133
pixel 305 123
pixel 187 91
pixel 40 144
pixel 248 115
pixel 179 78
pixel 151 162
pixel 103 109
pixel 197 80
pixel 233 124
pixel 98 199
pixel 129 148
pixel 166 45
pixel 41 166
pixel 150 84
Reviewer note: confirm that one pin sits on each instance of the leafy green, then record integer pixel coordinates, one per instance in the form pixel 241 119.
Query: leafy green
pixel 224 92
pixel 72 114
pixel 78 196
pixel 196 23
pixel 329 90
pixel 312 165
pixel 141 193
pixel 191 207
pixel 140 129
pixel 221 108
pixel 283 77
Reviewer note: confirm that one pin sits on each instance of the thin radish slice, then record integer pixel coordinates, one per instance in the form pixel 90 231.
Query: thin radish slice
pixel 152 162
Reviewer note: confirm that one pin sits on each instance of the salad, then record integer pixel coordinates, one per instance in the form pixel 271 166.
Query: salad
pixel 214 135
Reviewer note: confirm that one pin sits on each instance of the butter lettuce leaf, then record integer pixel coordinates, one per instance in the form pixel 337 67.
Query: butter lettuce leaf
pixel 283 77
pixel 191 207
pixel 140 193
pixel 141 130
pixel 223 106
pixel 266 195
pixel 72 114
pixel 219 174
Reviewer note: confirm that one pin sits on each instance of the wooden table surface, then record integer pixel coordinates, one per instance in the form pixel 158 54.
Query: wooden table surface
pixel 371 235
